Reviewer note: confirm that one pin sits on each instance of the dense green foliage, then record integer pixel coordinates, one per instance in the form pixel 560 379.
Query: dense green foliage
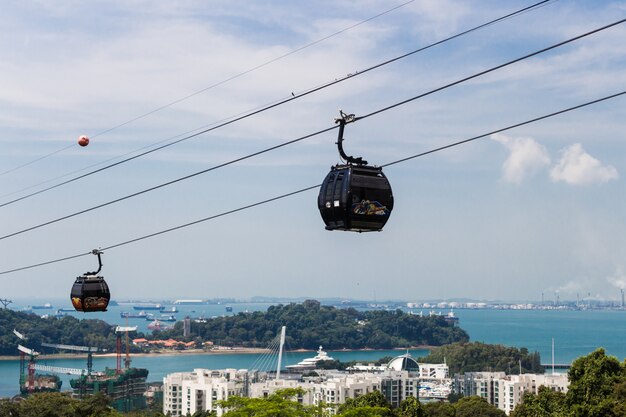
pixel 597 388
pixel 282 403
pixel 66 330
pixel 476 406
pixel 477 357
pixel 310 325
pixel 374 399
pixel 56 404
pixel 546 403
pixel 593 379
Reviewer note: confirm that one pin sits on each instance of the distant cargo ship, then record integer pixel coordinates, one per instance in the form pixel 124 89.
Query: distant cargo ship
pixel 141 315
pixel 42 307
pixel 149 307
pixel 190 302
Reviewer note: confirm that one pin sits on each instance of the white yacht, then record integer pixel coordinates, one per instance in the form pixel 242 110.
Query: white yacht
pixel 311 363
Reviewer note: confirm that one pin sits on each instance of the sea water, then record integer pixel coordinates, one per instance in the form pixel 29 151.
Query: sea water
pixel 575 333
pixel 161 365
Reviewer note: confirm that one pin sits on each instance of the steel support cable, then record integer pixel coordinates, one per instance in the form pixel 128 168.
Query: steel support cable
pixel 36 160
pixel 231 78
pixel 302 190
pixel 549 48
pixel 186 177
pixel 309 135
pixel 261 109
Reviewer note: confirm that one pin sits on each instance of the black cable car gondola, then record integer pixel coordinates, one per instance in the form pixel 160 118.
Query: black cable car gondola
pixel 355 196
pixel 90 291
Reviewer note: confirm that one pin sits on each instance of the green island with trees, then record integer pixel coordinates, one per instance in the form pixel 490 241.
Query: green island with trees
pixel 309 325
pixel 597 389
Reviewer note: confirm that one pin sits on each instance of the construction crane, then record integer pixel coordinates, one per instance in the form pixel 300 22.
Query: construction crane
pixel 118 331
pixel 32 367
pixel 19 335
pixel 89 349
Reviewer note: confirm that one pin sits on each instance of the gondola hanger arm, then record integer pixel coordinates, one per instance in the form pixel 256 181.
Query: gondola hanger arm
pixel 96 252
pixel 343 120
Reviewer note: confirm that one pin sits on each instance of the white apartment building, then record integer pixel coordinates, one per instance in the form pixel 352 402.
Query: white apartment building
pixel 335 388
pixel 506 391
pixel 187 392
pixel 269 386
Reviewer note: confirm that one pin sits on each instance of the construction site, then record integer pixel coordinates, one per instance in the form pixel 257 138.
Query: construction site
pixel 124 386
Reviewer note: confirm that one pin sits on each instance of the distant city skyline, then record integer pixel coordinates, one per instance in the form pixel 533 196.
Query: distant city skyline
pixel 535 209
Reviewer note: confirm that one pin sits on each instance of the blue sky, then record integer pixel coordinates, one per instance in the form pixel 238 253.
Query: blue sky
pixel 536 209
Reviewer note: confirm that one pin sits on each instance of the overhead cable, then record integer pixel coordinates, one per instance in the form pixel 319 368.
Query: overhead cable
pixel 231 78
pixel 272 105
pixel 302 190
pixel 309 135
pixel 36 160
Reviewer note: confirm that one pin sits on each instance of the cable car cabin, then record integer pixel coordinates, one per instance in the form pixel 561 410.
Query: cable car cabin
pixel 90 293
pixel 355 198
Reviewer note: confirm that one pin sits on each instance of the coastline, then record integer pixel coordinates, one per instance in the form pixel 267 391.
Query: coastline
pixel 172 352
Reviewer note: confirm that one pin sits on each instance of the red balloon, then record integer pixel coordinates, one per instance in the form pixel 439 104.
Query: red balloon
pixel 83 140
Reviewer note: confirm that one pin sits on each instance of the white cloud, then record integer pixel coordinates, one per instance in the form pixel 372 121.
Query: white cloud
pixel 618 280
pixel 526 157
pixel 577 167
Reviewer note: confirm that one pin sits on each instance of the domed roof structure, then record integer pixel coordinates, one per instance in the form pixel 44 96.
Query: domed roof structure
pixel 403 363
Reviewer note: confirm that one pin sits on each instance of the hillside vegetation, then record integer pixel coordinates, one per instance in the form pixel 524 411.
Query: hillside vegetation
pixel 310 325
pixel 66 330
pixel 478 357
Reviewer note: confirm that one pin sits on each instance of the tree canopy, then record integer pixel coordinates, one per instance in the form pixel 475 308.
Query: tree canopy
pixel 597 388
pixel 57 404
pixel 65 330
pixel 282 403
pixel 477 357
pixel 310 325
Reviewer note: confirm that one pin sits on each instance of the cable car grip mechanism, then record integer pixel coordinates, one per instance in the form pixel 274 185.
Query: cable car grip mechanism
pixel 96 252
pixel 343 120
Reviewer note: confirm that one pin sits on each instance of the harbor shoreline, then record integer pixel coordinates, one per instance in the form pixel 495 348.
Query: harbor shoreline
pixel 171 352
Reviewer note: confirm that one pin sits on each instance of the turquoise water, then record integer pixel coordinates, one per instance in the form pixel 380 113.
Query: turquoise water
pixel 575 333
pixel 159 366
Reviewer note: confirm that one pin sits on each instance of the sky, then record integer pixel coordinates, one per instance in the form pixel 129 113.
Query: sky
pixel 531 210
